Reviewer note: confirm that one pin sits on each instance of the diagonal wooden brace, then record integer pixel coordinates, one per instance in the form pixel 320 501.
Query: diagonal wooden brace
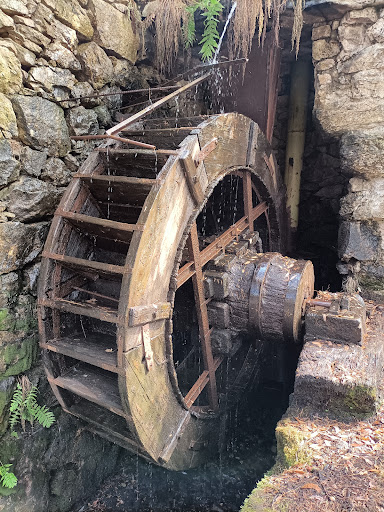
pixel 190 171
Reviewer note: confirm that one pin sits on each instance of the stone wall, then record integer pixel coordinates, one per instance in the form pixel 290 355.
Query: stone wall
pixel 349 104
pixel 323 182
pixel 51 51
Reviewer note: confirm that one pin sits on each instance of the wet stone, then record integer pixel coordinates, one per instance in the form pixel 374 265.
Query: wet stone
pixel 219 314
pixel 219 283
pixel 345 326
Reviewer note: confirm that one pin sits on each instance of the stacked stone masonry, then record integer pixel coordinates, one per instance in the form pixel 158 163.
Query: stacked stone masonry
pixel 51 51
pixel 348 55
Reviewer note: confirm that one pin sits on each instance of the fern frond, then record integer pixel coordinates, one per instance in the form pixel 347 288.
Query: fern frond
pixel 17 398
pixel 43 415
pixel 189 27
pixel 7 478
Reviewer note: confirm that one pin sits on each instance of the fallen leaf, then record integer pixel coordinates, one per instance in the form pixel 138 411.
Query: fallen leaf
pixel 310 485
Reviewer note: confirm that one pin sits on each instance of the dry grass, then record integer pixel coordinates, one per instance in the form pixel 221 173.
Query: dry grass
pixel 168 23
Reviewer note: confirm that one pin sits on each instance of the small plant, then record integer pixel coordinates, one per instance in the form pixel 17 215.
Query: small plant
pixel 210 10
pixel 7 478
pixel 24 407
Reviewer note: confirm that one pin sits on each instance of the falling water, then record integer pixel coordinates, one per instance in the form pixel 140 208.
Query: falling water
pixel 232 11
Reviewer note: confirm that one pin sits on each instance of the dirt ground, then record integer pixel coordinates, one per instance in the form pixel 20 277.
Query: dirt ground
pixel 344 470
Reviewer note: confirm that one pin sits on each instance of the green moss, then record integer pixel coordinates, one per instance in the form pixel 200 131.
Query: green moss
pixel 371 283
pixel 7 321
pixel 361 399
pixel 255 503
pixel 10 450
pixel 291 446
pixel 17 357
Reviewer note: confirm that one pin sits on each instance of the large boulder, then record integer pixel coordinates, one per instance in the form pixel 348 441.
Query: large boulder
pixel 62 56
pixel 365 200
pixel 8 125
pixel 71 13
pixel 49 77
pixel 41 124
pixel 20 244
pixel 57 172
pixel 362 152
pixel 32 161
pixel 13 7
pixel 25 56
pixel 358 240
pixel 114 30
pixel 96 66
pixel 82 121
pixel 9 166
pixel 31 199
pixel 10 72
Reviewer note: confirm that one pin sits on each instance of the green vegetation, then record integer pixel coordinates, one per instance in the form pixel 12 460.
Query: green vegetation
pixel 291 446
pixel 24 407
pixel 7 478
pixel 210 10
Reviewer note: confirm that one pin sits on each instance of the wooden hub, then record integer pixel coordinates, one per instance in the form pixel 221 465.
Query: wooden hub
pixel 126 239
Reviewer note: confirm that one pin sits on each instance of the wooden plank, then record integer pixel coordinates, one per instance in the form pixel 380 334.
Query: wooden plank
pixel 202 316
pixel 190 171
pixel 87 265
pixel 140 315
pixel 93 386
pixel 171 443
pixel 159 131
pixel 120 139
pixel 101 313
pixel 216 247
pixel 143 152
pixel 200 384
pixel 117 179
pixel 96 349
pixel 114 427
pixel 247 198
pixel 104 228
pixel 96 294
pixel 119 189
pixel 206 150
pixel 142 113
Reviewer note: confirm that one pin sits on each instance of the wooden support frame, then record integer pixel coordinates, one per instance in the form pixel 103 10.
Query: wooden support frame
pixel 193 269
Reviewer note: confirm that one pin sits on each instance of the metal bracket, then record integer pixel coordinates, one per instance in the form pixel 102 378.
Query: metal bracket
pixel 206 150
pixel 148 354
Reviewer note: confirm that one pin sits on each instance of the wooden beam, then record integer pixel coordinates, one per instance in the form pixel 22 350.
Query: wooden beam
pixel 216 247
pixel 202 316
pixel 142 113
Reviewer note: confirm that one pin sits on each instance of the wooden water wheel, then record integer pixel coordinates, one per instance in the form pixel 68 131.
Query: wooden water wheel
pixel 133 229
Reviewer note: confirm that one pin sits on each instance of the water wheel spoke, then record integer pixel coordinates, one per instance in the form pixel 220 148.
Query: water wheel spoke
pixel 202 316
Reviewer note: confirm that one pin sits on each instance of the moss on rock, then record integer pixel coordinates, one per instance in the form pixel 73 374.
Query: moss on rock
pixel 291 446
pixel 361 399
pixel 18 356
pixel 6 390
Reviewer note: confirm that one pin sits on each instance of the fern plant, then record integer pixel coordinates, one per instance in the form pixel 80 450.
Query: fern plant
pixel 24 407
pixel 210 10
pixel 7 478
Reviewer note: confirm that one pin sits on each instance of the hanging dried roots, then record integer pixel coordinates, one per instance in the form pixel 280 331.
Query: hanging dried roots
pixel 298 6
pixel 169 19
pixel 252 16
pixel 172 19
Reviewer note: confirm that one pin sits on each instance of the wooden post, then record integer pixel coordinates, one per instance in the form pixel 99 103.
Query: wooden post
pixel 300 76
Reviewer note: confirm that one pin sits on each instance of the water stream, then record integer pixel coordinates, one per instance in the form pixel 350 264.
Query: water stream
pixel 231 13
pixel 219 486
